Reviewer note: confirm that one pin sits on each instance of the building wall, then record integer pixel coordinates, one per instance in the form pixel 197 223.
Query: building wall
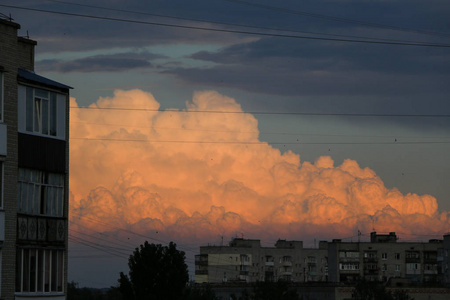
pixel 384 261
pixel 17 52
pixel 445 260
pixel 246 261
pixel 8 49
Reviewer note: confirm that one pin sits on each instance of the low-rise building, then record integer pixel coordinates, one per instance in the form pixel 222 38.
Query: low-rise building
pixel 384 259
pixel 246 260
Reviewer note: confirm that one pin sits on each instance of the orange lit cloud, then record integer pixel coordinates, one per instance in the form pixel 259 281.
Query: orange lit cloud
pixel 196 175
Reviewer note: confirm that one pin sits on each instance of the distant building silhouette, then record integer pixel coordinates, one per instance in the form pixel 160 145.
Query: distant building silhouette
pixel 383 259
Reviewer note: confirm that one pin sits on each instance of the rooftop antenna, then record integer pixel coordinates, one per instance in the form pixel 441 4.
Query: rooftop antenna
pixel 3 16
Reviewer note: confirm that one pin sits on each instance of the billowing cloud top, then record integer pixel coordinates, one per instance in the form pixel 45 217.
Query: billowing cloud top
pixel 203 172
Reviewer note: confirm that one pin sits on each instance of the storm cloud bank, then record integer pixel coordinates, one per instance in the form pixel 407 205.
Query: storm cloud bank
pixel 203 172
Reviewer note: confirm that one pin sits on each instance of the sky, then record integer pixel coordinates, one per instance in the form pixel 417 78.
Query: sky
pixel 199 121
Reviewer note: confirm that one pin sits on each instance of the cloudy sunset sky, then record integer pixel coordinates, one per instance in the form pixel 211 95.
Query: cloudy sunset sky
pixel 199 121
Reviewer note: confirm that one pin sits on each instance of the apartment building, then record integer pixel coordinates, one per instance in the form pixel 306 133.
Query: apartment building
pixel 245 260
pixel 34 165
pixel 384 259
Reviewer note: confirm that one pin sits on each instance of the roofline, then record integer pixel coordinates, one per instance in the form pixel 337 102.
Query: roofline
pixel 27 76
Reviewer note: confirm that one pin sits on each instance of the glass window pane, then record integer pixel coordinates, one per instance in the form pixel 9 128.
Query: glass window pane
pixel 37 198
pixel 40 271
pixel 47 264
pixel 37 115
pixel 43 200
pixel 1 96
pixel 61 202
pixel 19 197
pixel 60 270
pixel 30 191
pixel 41 93
pixel 33 270
pixel 19 272
pixel 45 121
pixel 54 277
pixel 26 271
pixel 29 109
pixel 53 114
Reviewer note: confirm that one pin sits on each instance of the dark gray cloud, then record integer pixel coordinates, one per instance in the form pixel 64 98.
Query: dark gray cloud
pixel 100 63
pixel 286 67
pixel 323 16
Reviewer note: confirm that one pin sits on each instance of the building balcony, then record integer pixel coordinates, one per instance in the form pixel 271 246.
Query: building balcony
pixel 371 272
pixel 348 259
pixel 270 263
pixel 286 264
pixel 285 273
pixel 201 272
pixel 412 260
pixel 370 259
pixel 41 228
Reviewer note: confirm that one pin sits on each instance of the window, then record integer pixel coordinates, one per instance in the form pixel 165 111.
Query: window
pixel 39 270
pixel 41 111
pixel 311 259
pixel 370 254
pixel 348 254
pixel 397 256
pixel 40 193
pixel 397 267
pixel 1 97
pixel 269 258
pixel 384 256
pixel 244 258
pixel 287 259
pixel 412 254
pixel 1 184
pixel 349 266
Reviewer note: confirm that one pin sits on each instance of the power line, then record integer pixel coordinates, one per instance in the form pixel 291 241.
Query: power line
pixel 224 23
pixel 418 44
pixel 268 113
pixel 258 142
pixel 258 132
pixel 338 19
pixel 92 220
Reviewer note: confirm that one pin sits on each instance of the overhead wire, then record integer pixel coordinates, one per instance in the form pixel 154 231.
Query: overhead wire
pixel 222 23
pixel 264 34
pixel 339 19
pixel 267 112
pixel 183 128
pixel 395 142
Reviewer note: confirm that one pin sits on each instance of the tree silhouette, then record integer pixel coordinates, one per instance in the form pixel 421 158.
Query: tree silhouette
pixel 280 290
pixel 372 290
pixel 156 272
